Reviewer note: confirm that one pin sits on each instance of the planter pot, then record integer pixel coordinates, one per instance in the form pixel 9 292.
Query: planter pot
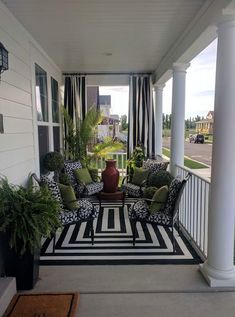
pixel 25 268
pixel 110 177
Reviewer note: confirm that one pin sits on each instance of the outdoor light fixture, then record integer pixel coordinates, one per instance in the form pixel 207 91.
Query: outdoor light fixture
pixel 3 59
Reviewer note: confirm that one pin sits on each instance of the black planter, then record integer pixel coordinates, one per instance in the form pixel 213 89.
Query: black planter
pixel 25 268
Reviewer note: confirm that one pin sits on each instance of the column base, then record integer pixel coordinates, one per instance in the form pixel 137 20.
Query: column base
pixel 217 278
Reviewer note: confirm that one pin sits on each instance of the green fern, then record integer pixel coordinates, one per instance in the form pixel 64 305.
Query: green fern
pixel 27 215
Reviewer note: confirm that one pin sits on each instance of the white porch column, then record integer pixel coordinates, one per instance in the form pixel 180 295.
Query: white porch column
pixel 219 268
pixel 158 118
pixel 178 116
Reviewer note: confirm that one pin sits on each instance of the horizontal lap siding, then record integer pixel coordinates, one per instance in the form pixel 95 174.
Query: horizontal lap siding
pixel 17 144
pixel 17 158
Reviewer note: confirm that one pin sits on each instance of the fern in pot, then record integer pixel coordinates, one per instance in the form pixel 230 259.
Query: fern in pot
pixel 26 215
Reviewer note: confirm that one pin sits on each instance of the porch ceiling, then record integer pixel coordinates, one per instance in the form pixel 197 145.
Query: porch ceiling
pixel 105 35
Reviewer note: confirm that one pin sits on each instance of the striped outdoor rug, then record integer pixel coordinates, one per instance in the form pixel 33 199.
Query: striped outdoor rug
pixel 113 243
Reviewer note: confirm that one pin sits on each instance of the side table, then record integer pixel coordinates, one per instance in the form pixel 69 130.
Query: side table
pixel 119 195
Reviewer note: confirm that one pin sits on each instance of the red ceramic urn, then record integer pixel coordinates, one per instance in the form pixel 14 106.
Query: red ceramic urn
pixel 110 177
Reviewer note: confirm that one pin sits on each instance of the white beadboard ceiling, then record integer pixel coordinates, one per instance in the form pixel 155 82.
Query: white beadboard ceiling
pixel 105 35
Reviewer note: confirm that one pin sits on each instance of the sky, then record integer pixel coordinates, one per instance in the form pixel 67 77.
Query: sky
pixel 200 86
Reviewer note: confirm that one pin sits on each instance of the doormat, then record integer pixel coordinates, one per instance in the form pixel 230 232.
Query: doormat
pixel 43 305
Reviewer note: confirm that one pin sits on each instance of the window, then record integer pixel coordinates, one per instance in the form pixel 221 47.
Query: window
pixel 55 100
pixel 41 94
pixel 43 144
pixel 48 118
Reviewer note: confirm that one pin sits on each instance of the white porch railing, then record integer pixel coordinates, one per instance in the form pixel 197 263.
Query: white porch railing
pixel 194 209
pixel 121 159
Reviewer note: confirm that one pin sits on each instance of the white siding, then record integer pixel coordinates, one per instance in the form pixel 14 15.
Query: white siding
pixel 18 144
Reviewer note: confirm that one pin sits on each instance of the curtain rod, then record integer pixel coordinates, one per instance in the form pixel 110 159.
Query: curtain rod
pixel 87 74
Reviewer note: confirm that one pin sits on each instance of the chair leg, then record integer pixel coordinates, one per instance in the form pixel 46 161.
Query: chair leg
pixel 133 227
pixel 53 241
pixel 92 231
pixel 173 239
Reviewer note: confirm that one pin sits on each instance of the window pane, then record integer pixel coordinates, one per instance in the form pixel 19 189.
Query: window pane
pixel 41 94
pixel 55 100
pixel 43 141
pixel 56 137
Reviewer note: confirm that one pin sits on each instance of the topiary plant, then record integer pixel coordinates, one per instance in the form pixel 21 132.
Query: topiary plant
pixel 64 179
pixel 54 162
pixel 159 179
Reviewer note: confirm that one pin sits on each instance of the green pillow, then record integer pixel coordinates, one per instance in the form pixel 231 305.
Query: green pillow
pixel 149 192
pixel 159 198
pixel 140 175
pixel 68 196
pixel 94 174
pixel 83 176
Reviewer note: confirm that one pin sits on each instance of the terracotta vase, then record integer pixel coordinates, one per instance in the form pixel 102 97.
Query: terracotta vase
pixel 110 177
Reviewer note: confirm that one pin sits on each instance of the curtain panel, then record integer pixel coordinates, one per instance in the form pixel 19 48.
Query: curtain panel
pixel 75 96
pixel 141 114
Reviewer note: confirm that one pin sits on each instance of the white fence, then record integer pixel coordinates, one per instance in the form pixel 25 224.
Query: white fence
pixel 121 159
pixel 194 209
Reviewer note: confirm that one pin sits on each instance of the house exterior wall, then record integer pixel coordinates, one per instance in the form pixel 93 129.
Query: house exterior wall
pixel 18 143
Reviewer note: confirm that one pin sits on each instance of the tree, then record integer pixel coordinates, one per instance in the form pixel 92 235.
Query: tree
pixel 124 123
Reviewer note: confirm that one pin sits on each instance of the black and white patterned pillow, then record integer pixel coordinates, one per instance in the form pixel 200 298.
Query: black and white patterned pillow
pixel 69 168
pixel 174 189
pixel 53 188
pixel 154 165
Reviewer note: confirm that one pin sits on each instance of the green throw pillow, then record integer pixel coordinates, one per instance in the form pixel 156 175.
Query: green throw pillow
pixel 159 198
pixel 140 175
pixel 94 174
pixel 83 176
pixel 149 192
pixel 68 196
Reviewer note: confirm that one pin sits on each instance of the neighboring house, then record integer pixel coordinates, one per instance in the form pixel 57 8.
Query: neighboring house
pixel 206 125
pixel 109 126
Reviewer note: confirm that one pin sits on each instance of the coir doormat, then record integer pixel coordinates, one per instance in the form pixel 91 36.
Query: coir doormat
pixel 43 305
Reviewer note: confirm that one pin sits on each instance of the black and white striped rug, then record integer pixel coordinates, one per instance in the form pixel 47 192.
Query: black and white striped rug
pixel 113 243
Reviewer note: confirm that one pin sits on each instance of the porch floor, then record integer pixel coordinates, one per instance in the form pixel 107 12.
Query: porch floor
pixel 148 290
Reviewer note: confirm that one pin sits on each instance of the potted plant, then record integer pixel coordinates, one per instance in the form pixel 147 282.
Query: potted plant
pixel 136 159
pixel 26 215
pixel 54 162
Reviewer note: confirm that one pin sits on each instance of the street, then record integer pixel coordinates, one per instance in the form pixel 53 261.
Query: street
pixel 196 151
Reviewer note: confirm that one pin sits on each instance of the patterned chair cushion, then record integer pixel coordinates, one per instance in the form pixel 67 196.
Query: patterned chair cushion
pixel 174 188
pixel 155 165
pixel 85 211
pixel 132 190
pixel 140 211
pixel 69 167
pixel 94 188
pixel 53 188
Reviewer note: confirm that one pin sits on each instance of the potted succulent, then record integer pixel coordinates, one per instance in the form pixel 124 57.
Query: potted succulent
pixel 26 215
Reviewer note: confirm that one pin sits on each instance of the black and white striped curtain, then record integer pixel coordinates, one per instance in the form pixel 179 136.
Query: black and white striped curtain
pixel 141 116
pixel 75 96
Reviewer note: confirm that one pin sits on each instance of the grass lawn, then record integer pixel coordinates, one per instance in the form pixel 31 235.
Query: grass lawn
pixel 187 161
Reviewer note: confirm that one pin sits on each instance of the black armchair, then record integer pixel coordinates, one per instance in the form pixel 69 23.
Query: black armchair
pixel 85 212
pixel 168 216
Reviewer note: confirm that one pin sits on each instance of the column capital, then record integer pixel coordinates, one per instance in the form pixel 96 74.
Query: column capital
pixel 159 86
pixel 180 67
pixel 227 20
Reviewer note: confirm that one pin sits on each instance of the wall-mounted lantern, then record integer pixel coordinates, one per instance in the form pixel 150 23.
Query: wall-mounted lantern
pixel 3 59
